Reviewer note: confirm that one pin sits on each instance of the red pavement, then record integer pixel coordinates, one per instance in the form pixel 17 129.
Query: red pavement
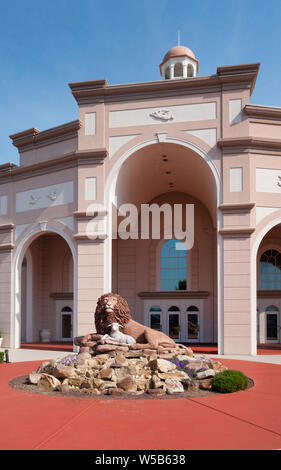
pixel 248 420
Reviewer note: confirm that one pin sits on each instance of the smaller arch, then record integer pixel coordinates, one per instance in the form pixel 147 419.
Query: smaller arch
pixel 192 308
pixel 178 70
pixel 272 308
pixel 173 308
pixel 190 70
pixel 155 317
pixel 167 73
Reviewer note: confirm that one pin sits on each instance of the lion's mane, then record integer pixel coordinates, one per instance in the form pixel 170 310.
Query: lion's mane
pixel 121 313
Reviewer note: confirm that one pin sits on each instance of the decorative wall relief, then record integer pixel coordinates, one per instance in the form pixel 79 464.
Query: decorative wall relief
pixel 52 195
pixel 34 199
pixel 279 181
pixel 162 114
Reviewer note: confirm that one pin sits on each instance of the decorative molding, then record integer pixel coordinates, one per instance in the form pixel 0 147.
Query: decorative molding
pixel 253 110
pixel 179 294
pixel 267 294
pixel 89 215
pixel 62 295
pixel 237 207
pixel 236 144
pixel 71 160
pixel 6 227
pixel 161 136
pixel 279 181
pixel 239 76
pixel 237 231
pixel 84 236
pixel 7 247
pixel 43 225
pixel 34 138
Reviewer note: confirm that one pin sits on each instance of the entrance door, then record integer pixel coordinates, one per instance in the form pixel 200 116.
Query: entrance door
pixel 66 324
pixel 155 318
pixel 272 324
pixel 192 324
pixel 174 323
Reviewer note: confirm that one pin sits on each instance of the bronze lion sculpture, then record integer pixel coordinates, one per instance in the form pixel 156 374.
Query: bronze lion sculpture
pixel 112 308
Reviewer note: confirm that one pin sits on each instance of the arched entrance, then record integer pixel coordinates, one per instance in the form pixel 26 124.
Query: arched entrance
pixel 171 173
pixel 44 280
pixel 268 282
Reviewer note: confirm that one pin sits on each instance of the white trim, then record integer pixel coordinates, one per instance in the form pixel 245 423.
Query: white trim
pixel 18 258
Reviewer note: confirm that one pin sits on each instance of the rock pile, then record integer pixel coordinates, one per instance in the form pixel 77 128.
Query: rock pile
pixel 118 370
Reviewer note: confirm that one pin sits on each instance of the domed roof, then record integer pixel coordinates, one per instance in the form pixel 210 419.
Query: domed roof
pixel 178 51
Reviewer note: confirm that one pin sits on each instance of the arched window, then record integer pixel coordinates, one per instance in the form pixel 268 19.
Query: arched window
pixel 192 323
pixel 178 70
pixel 173 265
pixel 167 73
pixel 270 270
pixel 190 70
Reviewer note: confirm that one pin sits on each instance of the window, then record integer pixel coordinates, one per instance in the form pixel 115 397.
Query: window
pixel 155 318
pixel 270 270
pixel 173 266
pixel 178 70
pixel 190 71
pixel 167 73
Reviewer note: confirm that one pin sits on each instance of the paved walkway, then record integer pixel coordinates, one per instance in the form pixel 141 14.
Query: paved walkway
pixel 245 420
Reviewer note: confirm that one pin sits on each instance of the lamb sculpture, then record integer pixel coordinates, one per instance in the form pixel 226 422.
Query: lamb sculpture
pixel 118 336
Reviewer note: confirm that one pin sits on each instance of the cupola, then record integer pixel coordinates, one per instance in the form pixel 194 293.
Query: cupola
pixel 179 62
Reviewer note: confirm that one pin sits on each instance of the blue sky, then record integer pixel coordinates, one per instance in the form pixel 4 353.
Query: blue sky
pixel 44 45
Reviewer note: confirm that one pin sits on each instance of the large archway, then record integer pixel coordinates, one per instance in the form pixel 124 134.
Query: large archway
pixel 268 282
pixel 45 287
pixel 170 172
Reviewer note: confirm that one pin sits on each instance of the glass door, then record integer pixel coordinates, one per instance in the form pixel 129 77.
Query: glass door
pixel 155 318
pixel 174 323
pixel 272 324
pixel 66 324
pixel 192 327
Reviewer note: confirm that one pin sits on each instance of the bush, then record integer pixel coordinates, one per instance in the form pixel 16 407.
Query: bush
pixel 230 381
pixel 2 356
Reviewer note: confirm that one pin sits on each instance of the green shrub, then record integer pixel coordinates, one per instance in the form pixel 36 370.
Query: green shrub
pixel 230 381
pixel 2 356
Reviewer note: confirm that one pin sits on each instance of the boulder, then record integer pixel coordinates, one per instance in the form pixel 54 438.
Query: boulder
pixel 206 373
pixel 34 378
pixel 128 384
pixel 173 386
pixel 103 348
pixel 157 392
pixel 162 365
pixel 106 374
pixel 48 382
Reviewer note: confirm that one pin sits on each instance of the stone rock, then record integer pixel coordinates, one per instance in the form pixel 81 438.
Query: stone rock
pixel 128 384
pixel 196 365
pixel 64 388
pixel 120 359
pixel 134 353
pixel 193 386
pixel 174 374
pixel 206 384
pixel 63 372
pixel 217 366
pixel 156 382
pixel 107 384
pixel 96 383
pixel 173 386
pixel 48 382
pixel 206 373
pixel 34 378
pixel 76 381
pixel 142 384
pixel 103 348
pixel 162 365
pixel 116 392
pixel 83 357
pixel 156 392
pixel 106 374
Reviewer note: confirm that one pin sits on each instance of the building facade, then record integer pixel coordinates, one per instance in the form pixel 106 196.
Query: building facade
pixel 182 141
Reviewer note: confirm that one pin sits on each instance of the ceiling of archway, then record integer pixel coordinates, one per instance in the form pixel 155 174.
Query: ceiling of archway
pixel 163 168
